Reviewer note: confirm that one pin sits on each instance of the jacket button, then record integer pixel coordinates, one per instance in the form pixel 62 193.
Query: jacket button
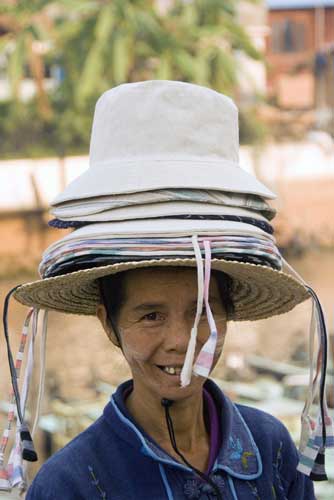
pixel 206 488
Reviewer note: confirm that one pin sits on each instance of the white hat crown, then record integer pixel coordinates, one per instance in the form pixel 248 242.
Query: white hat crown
pixel 162 134
pixel 164 120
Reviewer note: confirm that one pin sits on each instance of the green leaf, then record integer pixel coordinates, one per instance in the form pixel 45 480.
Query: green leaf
pixel 240 38
pixel 120 58
pixel 94 64
pixel 90 75
pixel 202 68
pixel 164 69
pixel 16 65
pixel 190 14
pixel 186 63
pixel 83 7
pixel 105 23
pixel 224 71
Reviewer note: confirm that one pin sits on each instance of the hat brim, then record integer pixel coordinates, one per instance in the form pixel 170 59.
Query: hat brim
pixel 258 291
pixel 163 209
pixel 120 177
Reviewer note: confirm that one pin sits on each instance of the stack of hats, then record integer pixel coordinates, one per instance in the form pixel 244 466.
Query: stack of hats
pixel 164 188
pixel 163 167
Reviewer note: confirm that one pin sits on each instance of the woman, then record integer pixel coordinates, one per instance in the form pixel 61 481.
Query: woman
pixel 128 452
pixel 172 239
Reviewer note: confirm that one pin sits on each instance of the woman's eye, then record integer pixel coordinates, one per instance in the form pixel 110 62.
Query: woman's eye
pixel 153 316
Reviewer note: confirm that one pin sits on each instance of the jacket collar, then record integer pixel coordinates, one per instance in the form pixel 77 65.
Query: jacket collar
pixel 238 455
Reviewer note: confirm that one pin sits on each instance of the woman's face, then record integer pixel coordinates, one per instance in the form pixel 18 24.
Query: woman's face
pixel 154 323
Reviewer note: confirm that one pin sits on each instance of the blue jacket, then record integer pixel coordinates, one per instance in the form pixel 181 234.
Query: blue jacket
pixel 115 459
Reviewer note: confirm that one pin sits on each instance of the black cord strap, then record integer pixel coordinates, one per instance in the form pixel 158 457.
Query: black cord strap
pixel 166 403
pixel 9 354
pixel 324 341
pixel 28 450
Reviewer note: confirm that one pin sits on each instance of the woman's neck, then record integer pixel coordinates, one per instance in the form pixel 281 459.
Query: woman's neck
pixel 188 422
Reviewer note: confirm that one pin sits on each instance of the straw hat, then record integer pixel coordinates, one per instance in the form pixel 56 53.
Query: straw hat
pixel 160 134
pixel 258 291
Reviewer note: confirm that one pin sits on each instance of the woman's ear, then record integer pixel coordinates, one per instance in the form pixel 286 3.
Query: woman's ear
pixel 101 313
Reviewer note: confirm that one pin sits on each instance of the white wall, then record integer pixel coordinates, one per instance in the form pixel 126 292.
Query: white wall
pixel 273 164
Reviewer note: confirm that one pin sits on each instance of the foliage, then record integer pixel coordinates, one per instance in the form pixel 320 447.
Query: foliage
pixel 92 45
pixel 130 40
pixel 25 133
pixel 252 130
pixel 27 28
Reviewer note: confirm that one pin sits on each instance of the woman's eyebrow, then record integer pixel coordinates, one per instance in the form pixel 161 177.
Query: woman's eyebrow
pixel 159 305
pixel 148 305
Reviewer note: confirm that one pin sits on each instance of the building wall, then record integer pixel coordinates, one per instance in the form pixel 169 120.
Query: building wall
pixel 283 62
pixel 290 53
pixel 329 26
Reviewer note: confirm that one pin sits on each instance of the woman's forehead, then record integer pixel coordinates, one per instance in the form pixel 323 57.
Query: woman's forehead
pixel 160 279
pixel 159 282
pixel 161 273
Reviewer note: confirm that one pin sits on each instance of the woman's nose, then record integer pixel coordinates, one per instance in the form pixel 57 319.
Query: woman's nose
pixel 177 335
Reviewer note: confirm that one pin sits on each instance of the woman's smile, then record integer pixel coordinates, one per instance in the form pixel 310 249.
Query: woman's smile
pixel 171 370
pixel 155 321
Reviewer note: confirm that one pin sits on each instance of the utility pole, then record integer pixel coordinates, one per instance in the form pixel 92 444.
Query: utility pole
pixel 319 36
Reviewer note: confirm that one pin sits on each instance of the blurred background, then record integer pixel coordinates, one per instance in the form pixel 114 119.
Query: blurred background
pixel 275 58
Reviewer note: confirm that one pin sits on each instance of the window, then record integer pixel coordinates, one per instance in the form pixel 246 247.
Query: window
pixel 288 36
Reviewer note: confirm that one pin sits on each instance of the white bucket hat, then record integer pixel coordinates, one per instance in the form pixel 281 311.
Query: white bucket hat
pixel 162 134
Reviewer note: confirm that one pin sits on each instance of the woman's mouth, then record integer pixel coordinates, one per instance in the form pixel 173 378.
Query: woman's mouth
pixel 170 370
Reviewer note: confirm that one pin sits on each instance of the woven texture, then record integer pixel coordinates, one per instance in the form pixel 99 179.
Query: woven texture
pixel 258 291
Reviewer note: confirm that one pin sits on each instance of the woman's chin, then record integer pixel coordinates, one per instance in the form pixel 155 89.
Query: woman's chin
pixel 165 385
pixel 174 391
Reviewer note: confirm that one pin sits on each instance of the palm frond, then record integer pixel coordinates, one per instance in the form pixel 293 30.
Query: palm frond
pixel 16 65
pixel 164 69
pixel 120 58
pixel 94 63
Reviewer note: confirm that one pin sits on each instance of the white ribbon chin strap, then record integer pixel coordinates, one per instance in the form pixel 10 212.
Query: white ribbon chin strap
pixel 204 361
pixel 187 368
pixel 317 434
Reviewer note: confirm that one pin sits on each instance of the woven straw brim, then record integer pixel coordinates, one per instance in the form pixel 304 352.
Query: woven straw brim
pixel 258 291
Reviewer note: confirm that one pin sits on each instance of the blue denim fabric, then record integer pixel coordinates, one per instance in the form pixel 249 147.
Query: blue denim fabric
pixel 115 459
